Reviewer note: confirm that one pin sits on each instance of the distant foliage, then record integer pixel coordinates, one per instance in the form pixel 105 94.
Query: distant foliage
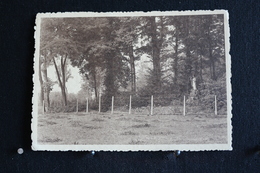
pixel 57 105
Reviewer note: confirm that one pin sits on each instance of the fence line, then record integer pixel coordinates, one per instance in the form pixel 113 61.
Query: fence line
pixel 150 105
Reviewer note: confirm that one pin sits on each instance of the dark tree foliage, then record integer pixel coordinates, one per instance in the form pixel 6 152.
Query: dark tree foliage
pixel 187 55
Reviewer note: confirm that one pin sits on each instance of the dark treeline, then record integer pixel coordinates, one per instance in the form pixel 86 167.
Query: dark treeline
pixel 186 52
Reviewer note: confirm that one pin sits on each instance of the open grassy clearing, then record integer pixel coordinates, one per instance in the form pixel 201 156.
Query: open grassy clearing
pixel 122 128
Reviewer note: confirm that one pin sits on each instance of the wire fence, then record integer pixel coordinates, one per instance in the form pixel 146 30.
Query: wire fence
pixel 134 104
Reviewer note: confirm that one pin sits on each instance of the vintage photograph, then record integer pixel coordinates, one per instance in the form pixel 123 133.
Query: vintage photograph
pixel 131 81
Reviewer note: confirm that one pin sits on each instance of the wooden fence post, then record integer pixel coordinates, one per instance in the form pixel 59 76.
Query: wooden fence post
pixel 99 103
pixel 184 106
pixel 216 106
pixel 152 105
pixel 112 105
pixel 130 104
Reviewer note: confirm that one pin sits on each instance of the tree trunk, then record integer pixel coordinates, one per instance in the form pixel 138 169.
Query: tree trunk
pixel 194 83
pixel 214 77
pixel 46 81
pixel 63 88
pixel 47 87
pixel 64 95
pixel 188 69
pixel 212 63
pixel 63 71
pixel 41 83
pixel 176 59
pixel 155 56
pixel 109 82
pixel 132 69
pixel 134 77
pixel 95 86
pixel 201 78
pixel 212 60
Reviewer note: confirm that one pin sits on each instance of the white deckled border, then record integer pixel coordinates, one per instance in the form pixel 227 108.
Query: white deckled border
pixel 182 147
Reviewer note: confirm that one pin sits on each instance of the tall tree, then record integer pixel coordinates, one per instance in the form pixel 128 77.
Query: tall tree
pixel 152 33
pixel 156 44
pixel 117 71
pixel 56 40
pixel 101 52
pixel 128 36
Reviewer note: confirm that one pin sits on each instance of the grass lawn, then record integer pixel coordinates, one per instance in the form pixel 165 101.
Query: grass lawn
pixel 122 128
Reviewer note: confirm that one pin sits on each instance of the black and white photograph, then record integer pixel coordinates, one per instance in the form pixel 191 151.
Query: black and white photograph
pixel 132 81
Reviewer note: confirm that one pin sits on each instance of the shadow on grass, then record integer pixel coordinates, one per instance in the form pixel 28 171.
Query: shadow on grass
pixel 49 140
pixel 132 142
pixel 141 125
pixel 161 133
pixel 50 123
pixel 124 119
pixel 97 119
pixel 129 133
pixel 90 127
pixel 215 126
pixel 138 121
pixel 76 123
pixel 82 125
